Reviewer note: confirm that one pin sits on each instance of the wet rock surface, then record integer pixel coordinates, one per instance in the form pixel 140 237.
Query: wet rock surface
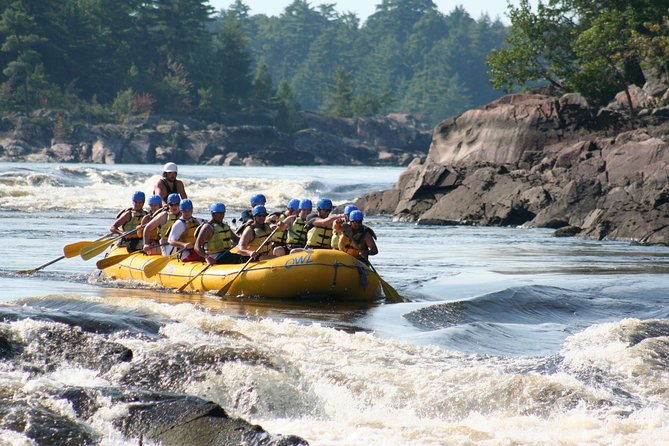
pixel 144 395
pixel 543 161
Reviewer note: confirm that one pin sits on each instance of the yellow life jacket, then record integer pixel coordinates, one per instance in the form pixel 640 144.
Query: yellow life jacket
pixel 334 241
pixel 165 228
pixel 188 235
pixel 297 235
pixel 318 237
pixel 349 246
pixel 280 237
pixel 259 236
pixel 220 240
pixel 135 220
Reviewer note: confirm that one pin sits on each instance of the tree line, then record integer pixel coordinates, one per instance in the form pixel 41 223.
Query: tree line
pixel 109 58
pixel 594 47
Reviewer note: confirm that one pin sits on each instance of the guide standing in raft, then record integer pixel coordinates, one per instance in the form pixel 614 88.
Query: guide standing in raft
pixel 169 184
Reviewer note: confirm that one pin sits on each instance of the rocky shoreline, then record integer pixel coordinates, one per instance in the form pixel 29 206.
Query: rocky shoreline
pixel 56 136
pixel 541 161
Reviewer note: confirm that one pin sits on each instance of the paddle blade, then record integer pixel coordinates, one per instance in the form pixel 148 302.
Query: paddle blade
pixel 391 294
pixel 223 291
pixel 96 248
pixel 111 261
pixel 155 266
pixel 73 249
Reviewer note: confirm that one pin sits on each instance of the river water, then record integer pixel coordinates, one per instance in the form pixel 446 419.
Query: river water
pixel 508 336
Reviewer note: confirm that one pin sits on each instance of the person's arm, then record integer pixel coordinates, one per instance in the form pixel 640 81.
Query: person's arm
pixel 181 189
pixel 372 250
pixel 117 226
pixel 203 237
pixel 159 189
pixel 156 221
pixel 244 241
pixel 326 222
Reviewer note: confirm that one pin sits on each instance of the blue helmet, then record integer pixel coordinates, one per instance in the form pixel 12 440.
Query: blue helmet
pixel 305 203
pixel 259 210
pixel 258 199
pixel 356 216
pixel 138 196
pixel 324 204
pixel 155 199
pixel 173 198
pixel 186 205
pixel 349 208
pixel 217 207
pixel 294 204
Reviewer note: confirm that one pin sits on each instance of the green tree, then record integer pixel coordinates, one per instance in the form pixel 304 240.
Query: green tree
pixel 590 46
pixel 232 59
pixel 339 96
pixel 21 41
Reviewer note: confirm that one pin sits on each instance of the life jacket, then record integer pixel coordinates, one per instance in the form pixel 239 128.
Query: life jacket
pixel 319 237
pixel 165 228
pixel 170 190
pixel 221 238
pixel 351 246
pixel 334 241
pixel 297 235
pixel 188 235
pixel 259 236
pixel 135 220
pixel 280 237
pixel 154 235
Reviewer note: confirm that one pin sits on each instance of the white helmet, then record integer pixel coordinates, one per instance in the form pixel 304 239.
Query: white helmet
pixel 170 167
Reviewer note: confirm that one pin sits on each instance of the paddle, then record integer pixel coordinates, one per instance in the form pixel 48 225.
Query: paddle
pixel 69 251
pixel 183 287
pixel 155 266
pixel 223 291
pixel 390 292
pixel 98 247
pixel 113 260
pixel 73 249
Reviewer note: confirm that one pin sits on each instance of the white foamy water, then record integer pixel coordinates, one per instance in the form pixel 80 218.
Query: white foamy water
pixel 510 336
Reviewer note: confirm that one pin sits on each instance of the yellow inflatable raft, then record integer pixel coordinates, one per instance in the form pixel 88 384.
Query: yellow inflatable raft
pixel 323 272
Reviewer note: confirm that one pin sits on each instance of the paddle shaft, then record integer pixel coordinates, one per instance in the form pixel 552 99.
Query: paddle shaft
pixel 34 270
pixel 223 291
pixel 68 252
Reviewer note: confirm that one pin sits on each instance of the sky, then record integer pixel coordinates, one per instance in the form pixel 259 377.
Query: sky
pixel 364 8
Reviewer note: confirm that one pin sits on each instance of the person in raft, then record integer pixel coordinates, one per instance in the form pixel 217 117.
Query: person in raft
pixel 255 234
pixel 152 246
pixel 337 228
pixel 296 232
pixel 280 239
pixel 247 214
pixel 128 220
pixel 169 184
pixel 182 234
pixel 163 221
pixel 357 239
pixel 320 233
pixel 215 239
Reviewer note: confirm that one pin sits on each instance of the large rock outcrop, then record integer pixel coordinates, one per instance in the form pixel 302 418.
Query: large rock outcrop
pixel 50 136
pixel 537 160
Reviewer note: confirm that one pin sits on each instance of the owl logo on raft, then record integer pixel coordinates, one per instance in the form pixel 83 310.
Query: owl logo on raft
pixel 301 260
